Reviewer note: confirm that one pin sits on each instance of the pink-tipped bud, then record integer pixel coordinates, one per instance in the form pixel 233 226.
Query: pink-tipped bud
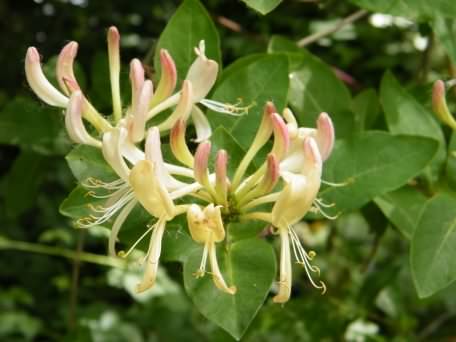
pixel 168 78
pixel 64 68
pixel 221 180
pixel 183 108
pixel 179 145
pixel 201 163
pixel 281 136
pixel 74 124
pixel 138 123
pixel 137 81
pixel 439 104
pixel 39 83
pixel 325 135
pixel 271 176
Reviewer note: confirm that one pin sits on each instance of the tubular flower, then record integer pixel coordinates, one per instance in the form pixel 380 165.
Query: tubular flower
pixel 206 227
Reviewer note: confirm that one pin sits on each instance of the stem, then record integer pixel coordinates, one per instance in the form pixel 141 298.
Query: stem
pixel 61 252
pixel 75 281
pixel 318 35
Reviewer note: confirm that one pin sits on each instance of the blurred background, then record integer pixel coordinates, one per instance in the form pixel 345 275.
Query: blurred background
pixel 45 296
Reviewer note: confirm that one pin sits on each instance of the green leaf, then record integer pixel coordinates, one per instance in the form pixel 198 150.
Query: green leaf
pixel 415 9
pixel 445 31
pixel 373 164
pixel 250 266
pixel 366 107
pixel 263 6
pixel 432 254
pixel 451 162
pixel 31 125
pixel 262 79
pixel 187 27
pixel 315 88
pixel 405 115
pixel 23 182
pixel 87 161
pixel 77 204
pixel 403 208
pixel 177 244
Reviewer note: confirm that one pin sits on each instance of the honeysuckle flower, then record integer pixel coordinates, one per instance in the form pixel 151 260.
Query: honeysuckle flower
pixel 206 227
pixel 439 104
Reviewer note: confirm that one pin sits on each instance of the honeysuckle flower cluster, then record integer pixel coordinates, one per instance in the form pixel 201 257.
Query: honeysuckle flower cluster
pixel 280 192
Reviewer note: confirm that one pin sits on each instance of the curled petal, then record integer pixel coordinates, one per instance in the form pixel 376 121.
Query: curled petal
pixel 112 151
pixel 138 123
pixel 39 83
pixel 150 192
pixel 214 220
pixel 285 269
pixel 74 124
pixel 153 257
pixel 137 81
pixel 178 144
pixel 114 70
pixel 202 73
pixel 217 276
pixel 183 108
pixel 168 79
pixel 202 125
pixel 64 68
pixel 196 225
pixel 325 135
pixel 439 104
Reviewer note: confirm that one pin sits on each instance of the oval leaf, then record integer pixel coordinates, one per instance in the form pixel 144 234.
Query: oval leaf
pixel 372 164
pixel 249 265
pixel 255 82
pixel 187 27
pixel 433 250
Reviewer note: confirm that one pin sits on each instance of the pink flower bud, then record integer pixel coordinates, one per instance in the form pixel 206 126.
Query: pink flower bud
pixel 137 81
pixel 138 123
pixel 39 83
pixel 168 79
pixel 271 176
pixel 439 104
pixel 325 135
pixel 281 136
pixel 64 68
pixel 201 163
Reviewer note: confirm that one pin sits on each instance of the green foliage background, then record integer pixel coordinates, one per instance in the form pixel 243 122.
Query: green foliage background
pixel 388 260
